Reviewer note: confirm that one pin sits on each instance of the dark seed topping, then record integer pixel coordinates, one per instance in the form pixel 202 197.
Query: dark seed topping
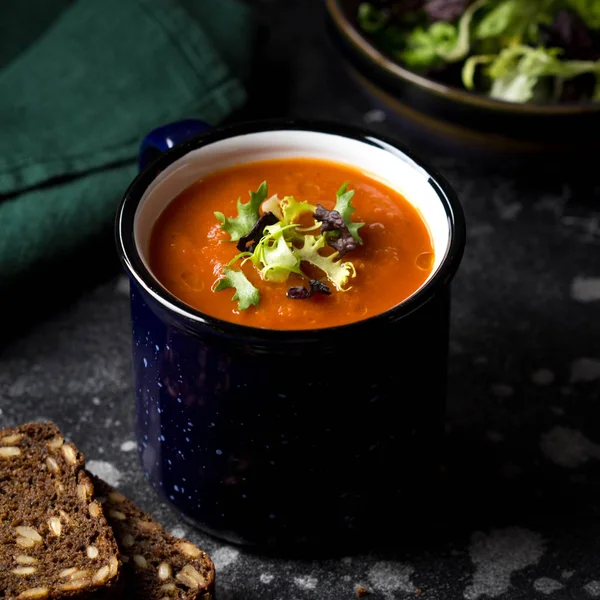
pixel 302 293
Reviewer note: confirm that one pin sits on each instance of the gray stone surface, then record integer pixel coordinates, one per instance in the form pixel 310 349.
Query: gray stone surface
pixel 522 459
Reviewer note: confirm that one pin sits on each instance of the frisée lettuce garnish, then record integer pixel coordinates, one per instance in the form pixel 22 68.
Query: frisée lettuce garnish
pixel 280 242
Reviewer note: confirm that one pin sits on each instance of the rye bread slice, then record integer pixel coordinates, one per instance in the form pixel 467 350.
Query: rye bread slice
pixel 54 540
pixel 156 565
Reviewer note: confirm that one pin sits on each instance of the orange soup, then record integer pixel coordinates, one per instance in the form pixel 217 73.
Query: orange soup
pixel 356 270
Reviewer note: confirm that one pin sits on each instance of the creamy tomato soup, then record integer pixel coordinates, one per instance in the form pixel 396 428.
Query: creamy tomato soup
pixel 193 251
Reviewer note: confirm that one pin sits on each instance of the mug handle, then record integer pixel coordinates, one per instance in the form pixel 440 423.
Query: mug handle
pixel 162 138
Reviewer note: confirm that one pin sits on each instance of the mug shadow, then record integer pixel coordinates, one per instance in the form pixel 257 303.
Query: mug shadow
pixel 519 460
pixel 479 491
pixel 533 475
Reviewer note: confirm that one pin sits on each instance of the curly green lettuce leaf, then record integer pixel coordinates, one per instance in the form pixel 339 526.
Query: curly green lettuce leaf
pixel 371 19
pixel 248 214
pixel 588 10
pixel 291 209
pixel 241 255
pixel 279 261
pixel 338 272
pixel 343 205
pixel 245 293
pixel 274 255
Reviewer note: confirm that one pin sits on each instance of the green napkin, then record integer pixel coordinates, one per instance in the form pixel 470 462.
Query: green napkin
pixel 81 82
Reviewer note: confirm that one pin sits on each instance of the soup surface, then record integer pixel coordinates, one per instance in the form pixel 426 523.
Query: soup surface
pixel 191 249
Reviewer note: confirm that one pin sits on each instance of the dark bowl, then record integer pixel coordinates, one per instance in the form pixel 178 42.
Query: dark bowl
pixel 450 115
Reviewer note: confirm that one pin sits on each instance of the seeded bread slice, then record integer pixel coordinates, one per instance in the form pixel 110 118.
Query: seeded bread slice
pixel 54 540
pixel 156 565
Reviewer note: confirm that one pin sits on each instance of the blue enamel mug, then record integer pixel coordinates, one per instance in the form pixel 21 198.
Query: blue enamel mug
pixel 241 450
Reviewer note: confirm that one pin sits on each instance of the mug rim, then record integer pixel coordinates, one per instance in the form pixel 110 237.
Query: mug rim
pixel 133 264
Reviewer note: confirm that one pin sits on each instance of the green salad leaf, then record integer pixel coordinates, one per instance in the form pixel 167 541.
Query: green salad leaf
pixel 291 209
pixel 274 255
pixel 517 70
pixel 370 18
pixel 499 21
pixel 245 293
pixel 440 42
pixel 516 87
pixel 462 44
pixel 248 214
pixel 470 68
pixel 337 272
pixel 588 10
pixel 515 21
pixel 423 46
pixel 344 206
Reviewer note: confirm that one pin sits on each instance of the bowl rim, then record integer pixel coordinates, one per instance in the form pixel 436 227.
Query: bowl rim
pixel 361 44
pixel 193 318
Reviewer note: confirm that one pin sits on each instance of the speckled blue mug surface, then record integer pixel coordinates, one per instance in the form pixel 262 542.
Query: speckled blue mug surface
pixel 245 452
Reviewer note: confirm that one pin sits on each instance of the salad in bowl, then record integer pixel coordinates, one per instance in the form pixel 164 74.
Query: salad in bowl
pixel 519 51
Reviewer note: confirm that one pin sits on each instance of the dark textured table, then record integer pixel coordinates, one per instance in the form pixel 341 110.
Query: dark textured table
pixel 519 515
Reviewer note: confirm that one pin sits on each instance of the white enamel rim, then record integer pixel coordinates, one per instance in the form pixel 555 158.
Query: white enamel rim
pixel 375 157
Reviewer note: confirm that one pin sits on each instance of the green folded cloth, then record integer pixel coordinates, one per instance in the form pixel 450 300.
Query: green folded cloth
pixel 81 82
